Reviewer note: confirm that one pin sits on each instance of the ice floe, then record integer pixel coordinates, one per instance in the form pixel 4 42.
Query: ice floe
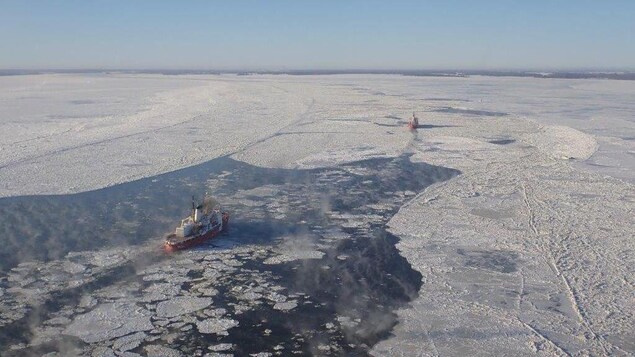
pixel 108 321
pixel 216 326
pixel 181 305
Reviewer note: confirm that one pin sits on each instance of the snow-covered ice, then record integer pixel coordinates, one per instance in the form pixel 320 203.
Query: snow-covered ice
pixel 285 306
pixel 181 305
pixel 109 321
pixel 59 127
pixel 161 351
pixel 215 326
pixel 529 251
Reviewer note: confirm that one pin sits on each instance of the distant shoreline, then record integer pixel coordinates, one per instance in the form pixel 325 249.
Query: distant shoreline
pixel 616 75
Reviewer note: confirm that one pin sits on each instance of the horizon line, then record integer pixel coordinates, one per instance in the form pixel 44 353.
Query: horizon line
pixel 360 70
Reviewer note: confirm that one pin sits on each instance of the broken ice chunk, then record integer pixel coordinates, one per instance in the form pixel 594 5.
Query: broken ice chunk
pixel 285 306
pixel 216 326
pixel 109 321
pixel 182 305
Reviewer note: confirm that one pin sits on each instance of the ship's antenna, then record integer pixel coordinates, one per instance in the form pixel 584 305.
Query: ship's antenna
pixel 193 209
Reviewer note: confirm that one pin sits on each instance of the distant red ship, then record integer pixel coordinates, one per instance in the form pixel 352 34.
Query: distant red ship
pixel 413 124
pixel 206 222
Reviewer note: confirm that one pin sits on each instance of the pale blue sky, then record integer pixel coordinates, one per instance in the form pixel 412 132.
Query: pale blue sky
pixel 302 34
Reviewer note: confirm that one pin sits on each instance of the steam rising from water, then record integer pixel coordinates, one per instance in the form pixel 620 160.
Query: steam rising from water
pixel 312 263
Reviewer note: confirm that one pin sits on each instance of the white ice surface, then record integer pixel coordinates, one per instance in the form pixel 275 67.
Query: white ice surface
pixel 216 326
pixel 181 305
pixel 161 351
pixel 285 306
pixel 63 134
pixel 529 251
pixel 109 321
pixel 71 133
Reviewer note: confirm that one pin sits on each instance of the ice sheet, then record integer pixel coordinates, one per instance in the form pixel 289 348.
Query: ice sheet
pixel 529 251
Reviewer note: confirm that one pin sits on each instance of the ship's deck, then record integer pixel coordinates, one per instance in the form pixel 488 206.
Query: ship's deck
pixel 172 238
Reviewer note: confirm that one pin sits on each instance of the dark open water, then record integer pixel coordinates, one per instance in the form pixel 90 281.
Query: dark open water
pixel 360 275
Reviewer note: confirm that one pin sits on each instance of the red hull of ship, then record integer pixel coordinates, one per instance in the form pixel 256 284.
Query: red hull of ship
pixel 199 239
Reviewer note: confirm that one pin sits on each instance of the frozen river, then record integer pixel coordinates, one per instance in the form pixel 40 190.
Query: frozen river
pixel 502 226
